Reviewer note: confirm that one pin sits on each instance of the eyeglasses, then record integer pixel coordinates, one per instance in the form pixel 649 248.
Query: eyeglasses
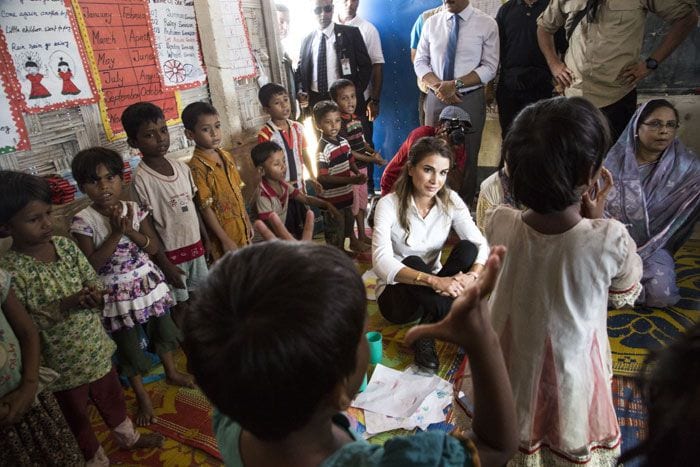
pixel 325 9
pixel 657 125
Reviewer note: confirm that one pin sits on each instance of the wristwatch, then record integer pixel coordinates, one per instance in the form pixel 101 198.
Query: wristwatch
pixel 652 64
pixel 459 83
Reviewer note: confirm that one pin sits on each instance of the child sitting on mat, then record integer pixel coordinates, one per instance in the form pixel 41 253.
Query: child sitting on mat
pixel 292 315
pixel 274 192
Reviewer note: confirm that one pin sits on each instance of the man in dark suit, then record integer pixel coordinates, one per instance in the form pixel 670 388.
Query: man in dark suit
pixel 331 52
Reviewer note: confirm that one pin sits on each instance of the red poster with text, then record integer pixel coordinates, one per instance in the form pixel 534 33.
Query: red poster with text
pixel 117 35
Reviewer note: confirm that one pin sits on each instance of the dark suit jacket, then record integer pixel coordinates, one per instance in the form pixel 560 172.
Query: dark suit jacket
pixel 348 44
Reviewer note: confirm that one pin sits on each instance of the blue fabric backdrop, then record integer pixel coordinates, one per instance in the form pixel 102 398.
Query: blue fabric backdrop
pixel 399 100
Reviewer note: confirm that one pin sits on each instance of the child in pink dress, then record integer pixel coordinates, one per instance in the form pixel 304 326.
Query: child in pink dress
pixel 564 263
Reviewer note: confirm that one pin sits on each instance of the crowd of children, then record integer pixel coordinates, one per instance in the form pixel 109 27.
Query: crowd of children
pixel 136 267
pixel 129 274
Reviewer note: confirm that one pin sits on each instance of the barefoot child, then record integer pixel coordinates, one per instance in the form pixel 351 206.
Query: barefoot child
pixel 275 192
pixel 26 406
pixel 117 237
pixel 343 93
pixel 565 263
pixel 337 173
pixel 166 188
pixel 312 299
pixel 289 135
pixel 63 295
pixel 214 171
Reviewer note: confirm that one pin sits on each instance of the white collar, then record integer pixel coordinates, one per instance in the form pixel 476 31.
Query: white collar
pixel 328 31
pixel 438 204
pixel 351 21
pixel 464 14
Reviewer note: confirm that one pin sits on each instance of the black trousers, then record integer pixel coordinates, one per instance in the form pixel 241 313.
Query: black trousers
pixel 510 103
pixel 403 303
pixel 619 113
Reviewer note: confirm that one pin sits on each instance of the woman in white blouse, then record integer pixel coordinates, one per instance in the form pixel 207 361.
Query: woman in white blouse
pixel 411 225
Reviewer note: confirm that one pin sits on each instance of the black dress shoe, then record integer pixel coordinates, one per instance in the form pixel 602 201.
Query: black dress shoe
pixel 425 355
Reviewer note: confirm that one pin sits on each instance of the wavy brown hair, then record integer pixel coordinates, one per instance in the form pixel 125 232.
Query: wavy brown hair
pixel 424 147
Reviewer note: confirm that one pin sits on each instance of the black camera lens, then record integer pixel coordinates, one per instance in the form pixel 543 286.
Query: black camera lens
pixel 455 133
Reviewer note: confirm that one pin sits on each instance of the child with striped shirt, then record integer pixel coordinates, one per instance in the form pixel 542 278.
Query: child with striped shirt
pixel 337 173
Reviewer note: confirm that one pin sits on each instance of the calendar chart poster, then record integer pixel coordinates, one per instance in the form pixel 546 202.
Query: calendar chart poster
pixel 117 37
pixel 236 32
pixel 176 43
pixel 41 46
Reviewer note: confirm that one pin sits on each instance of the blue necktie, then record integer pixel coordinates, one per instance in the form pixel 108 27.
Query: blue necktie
pixel 448 71
pixel 322 75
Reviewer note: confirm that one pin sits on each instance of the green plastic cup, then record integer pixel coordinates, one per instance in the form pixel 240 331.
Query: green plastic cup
pixel 374 339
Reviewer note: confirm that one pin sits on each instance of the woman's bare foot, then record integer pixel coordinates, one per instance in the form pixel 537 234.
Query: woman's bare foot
pixel 147 441
pixel 176 378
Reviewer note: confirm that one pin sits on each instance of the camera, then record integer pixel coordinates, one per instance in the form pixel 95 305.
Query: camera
pixel 456 131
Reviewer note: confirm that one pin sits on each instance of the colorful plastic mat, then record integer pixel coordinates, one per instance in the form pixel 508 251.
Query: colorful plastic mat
pixel 633 332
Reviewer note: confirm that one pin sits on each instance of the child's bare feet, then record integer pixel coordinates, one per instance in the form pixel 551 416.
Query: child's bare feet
pixel 176 378
pixel 144 413
pixel 148 441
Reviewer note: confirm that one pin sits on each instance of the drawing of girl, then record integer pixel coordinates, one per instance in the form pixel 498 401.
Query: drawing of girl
pixel 38 90
pixel 64 72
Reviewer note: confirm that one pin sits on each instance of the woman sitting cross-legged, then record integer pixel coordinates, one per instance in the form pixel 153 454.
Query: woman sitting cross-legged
pixel 656 195
pixel 411 225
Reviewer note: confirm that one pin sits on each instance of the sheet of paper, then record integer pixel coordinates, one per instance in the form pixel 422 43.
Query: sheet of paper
pixel 395 393
pixel 430 411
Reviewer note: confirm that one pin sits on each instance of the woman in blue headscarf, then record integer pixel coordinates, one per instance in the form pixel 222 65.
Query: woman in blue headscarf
pixel 656 194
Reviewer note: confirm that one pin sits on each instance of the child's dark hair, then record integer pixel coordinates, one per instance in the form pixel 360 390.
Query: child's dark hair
pixel 552 149
pixel 262 152
pixel 670 383
pixel 653 105
pixel 268 91
pixel 275 331
pixel 17 189
pixel 191 113
pixel 137 114
pixel 324 107
pixel 85 163
pixel 338 85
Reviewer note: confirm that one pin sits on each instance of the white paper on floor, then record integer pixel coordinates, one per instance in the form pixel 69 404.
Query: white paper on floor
pixel 430 411
pixel 394 393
